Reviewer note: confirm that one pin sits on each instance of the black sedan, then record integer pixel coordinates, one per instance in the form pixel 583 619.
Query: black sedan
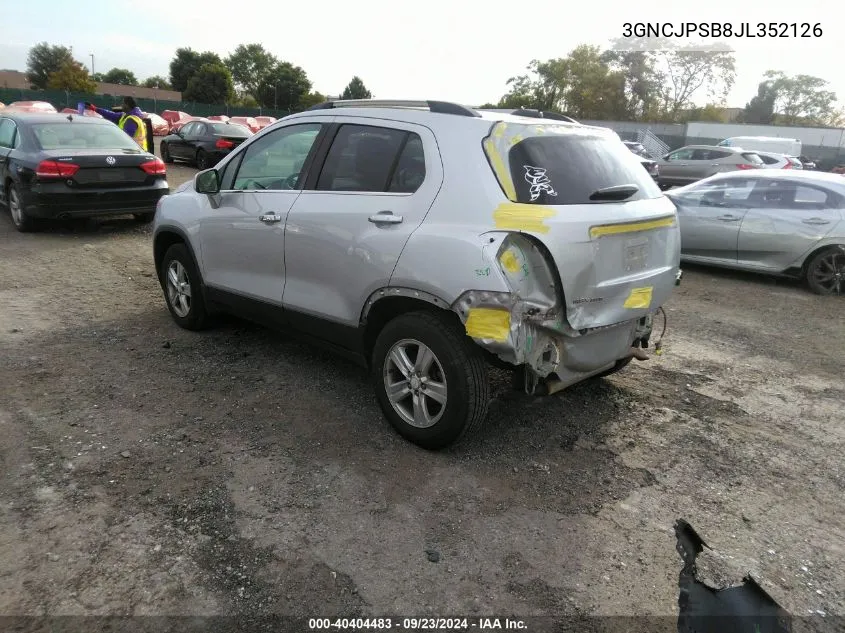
pixel 56 166
pixel 203 143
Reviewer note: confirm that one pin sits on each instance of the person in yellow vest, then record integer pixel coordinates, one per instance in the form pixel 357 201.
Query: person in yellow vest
pixel 129 119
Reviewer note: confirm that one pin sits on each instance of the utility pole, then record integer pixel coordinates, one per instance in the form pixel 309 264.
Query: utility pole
pixel 92 63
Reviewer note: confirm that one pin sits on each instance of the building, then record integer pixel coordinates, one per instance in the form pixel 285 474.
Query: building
pixel 17 81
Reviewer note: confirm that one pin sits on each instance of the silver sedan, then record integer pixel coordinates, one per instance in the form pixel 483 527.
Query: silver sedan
pixel 769 221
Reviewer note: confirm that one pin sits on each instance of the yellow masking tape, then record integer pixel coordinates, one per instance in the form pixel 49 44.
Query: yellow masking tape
pixel 488 323
pixel 522 217
pixel 500 168
pixel 632 227
pixel 639 298
pixel 509 262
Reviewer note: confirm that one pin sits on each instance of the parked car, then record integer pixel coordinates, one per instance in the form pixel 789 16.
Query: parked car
pixel 203 143
pixel 424 239
pixel 264 121
pixel 695 162
pixel 32 106
pixel 779 222
pixel 246 121
pixel 839 169
pixel 55 166
pixel 219 117
pixel 649 164
pixel 86 112
pixel 807 163
pixel 775 144
pixel 175 127
pixel 161 127
pixel 779 161
pixel 174 116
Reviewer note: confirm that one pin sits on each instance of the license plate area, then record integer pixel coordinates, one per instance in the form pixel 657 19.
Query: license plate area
pixel 110 175
pixel 636 254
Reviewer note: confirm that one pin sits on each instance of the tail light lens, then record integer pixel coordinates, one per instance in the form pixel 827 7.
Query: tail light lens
pixel 224 144
pixel 788 165
pixel 746 166
pixel 154 167
pixel 55 169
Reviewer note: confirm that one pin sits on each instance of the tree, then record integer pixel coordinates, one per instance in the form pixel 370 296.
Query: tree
pixel 802 99
pixel 687 72
pixel 249 64
pixel 710 112
pixel 43 60
pixel 311 99
pixel 98 77
pixel 72 76
pixel 185 65
pixel 283 87
pixel 761 108
pixel 356 89
pixel 120 76
pixel 212 83
pixel 642 82
pixel 157 81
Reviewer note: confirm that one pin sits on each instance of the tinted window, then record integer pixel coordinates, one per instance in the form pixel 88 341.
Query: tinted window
pixel 810 197
pixel 753 158
pixel 769 160
pixel 715 154
pixel 681 154
pixel 230 129
pixel 567 169
pixel 361 158
pixel 719 193
pixel 200 130
pixel 189 129
pixel 409 172
pixel 7 132
pixel 67 135
pixel 275 161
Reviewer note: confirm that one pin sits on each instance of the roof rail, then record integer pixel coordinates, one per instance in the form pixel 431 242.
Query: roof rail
pixel 440 107
pixel 541 114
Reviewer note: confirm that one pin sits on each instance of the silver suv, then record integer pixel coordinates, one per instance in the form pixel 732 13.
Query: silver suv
pixel 426 240
pixel 696 162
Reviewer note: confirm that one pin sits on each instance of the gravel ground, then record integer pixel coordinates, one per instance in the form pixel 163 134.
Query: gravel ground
pixel 150 470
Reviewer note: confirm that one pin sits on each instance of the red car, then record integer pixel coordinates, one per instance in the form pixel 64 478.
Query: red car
pixel 246 121
pixel 172 116
pixel 264 121
pixel 160 126
pixel 32 106
pixel 219 117
pixel 87 112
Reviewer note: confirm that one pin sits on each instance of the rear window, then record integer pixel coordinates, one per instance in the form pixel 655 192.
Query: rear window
pixel 230 129
pixel 567 169
pixel 751 157
pixel 70 135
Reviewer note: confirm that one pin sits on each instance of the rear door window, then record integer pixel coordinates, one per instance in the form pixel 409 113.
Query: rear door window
pixel 680 154
pixel 565 169
pixel 7 133
pixel 361 158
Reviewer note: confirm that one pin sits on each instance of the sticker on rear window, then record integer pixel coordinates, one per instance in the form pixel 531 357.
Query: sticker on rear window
pixel 539 181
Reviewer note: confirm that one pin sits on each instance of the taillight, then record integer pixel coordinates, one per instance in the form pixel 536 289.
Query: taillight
pixel 154 167
pixel 788 165
pixel 746 166
pixel 224 144
pixel 55 169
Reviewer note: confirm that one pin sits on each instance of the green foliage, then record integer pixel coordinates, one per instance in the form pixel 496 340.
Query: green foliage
pixel 44 60
pixel 356 89
pixel 283 87
pixel 761 108
pixel 72 76
pixel 186 64
pixel 250 64
pixel 120 76
pixel 212 84
pixel 310 99
pixel 157 81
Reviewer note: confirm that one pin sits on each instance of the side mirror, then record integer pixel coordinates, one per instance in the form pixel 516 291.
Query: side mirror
pixel 208 182
pixel 665 156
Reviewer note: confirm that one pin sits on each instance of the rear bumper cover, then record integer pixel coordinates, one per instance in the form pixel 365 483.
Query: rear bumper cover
pixel 46 204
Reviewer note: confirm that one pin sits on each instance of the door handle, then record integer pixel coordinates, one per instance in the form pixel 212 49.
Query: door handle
pixel 728 218
pixel 270 218
pixel 385 217
pixel 816 221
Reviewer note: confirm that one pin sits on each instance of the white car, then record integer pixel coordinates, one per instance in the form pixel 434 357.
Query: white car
pixel 779 161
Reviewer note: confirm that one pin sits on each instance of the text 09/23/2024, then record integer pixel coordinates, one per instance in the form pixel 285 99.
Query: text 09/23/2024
pixel 722 29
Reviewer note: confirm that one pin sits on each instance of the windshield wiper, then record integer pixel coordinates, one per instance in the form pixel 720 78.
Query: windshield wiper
pixel 617 192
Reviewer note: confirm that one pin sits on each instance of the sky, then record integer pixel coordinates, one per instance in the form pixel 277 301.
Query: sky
pixel 461 51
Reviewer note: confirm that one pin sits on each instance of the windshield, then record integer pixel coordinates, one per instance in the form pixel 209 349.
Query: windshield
pixel 568 169
pixel 230 129
pixel 69 135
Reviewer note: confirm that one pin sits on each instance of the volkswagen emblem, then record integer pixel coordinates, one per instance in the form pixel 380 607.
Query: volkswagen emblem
pixel 110 160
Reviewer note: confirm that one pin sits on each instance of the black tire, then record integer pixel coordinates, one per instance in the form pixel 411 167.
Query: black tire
pixel 22 222
pixel 619 366
pixel 165 153
pixel 144 218
pixel 202 160
pixel 465 376
pixel 825 271
pixel 196 317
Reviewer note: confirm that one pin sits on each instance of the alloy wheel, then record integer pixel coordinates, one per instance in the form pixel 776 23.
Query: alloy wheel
pixel 829 272
pixel 415 383
pixel 15 207
pixel 179 288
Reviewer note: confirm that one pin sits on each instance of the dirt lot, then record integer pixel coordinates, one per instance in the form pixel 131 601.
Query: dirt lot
pixel 149 470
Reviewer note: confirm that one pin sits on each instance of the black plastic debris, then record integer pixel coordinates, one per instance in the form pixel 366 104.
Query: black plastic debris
pixel 703 609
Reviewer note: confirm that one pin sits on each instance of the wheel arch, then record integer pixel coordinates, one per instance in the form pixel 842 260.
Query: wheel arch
pixel 827 247
pixel 167 237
